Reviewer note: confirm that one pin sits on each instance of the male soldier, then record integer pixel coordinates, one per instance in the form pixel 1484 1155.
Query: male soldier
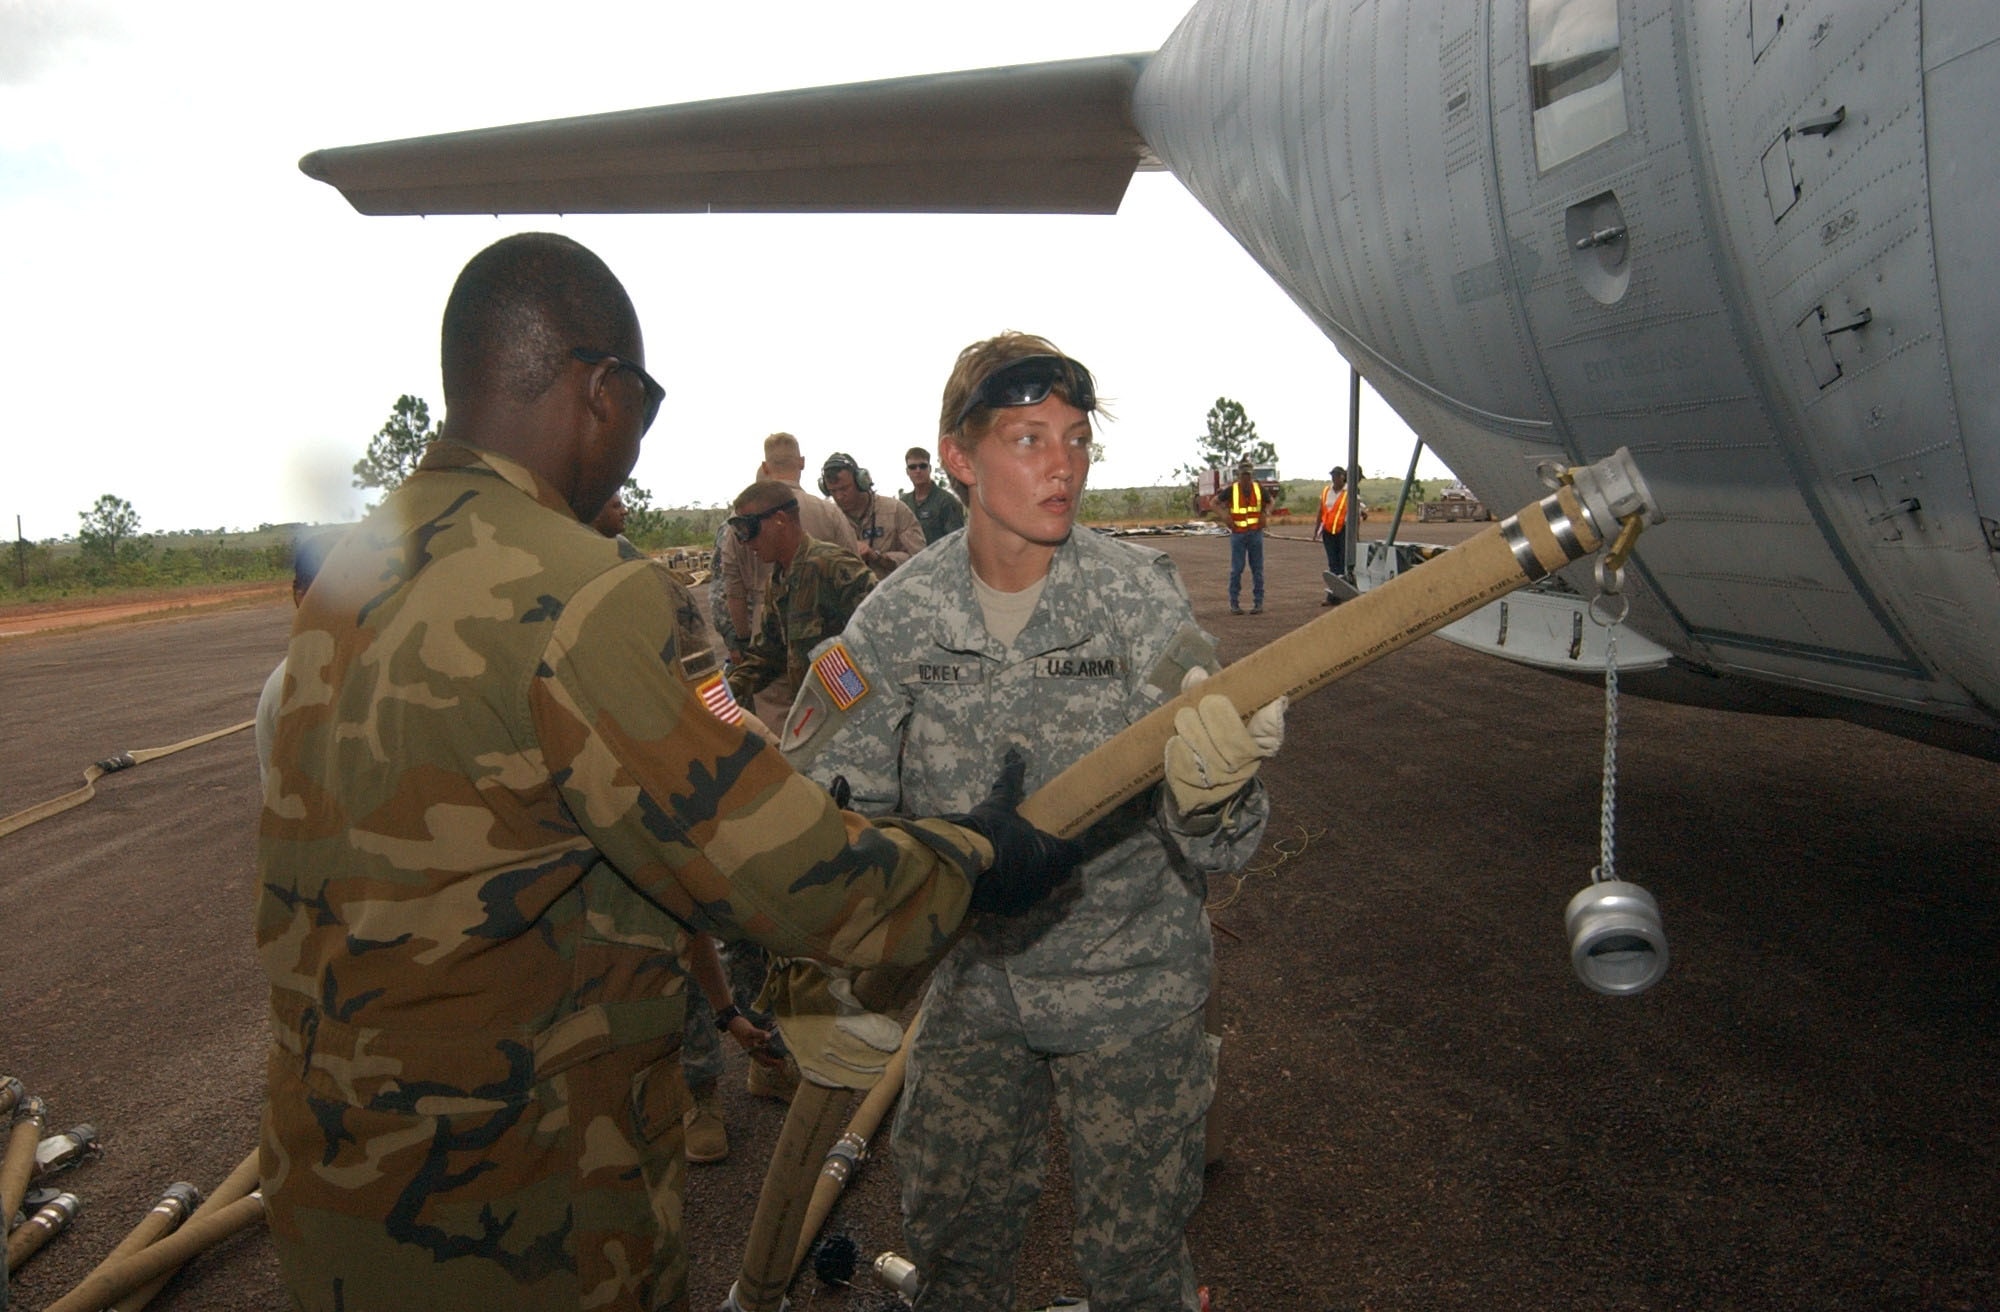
pixel 815 586
pixel 744 578
pixel 1246 538
pixel 494 802
pixel 886 528
pixel 610 521
pixel 938 511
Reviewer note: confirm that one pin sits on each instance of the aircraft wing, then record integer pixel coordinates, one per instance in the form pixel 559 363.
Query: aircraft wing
pixel 1034 138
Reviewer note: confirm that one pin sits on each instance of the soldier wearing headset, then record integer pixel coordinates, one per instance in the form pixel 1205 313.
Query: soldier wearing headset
pixel 887 529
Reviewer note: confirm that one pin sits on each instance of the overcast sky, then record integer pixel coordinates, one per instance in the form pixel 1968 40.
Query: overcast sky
pixel 191 323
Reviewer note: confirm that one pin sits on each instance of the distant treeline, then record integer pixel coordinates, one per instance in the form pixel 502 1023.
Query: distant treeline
pixel 42 571
pixel 38 571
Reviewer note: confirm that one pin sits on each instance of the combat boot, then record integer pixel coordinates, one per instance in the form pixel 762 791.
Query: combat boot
pixel 767 1083
pixel 707 1137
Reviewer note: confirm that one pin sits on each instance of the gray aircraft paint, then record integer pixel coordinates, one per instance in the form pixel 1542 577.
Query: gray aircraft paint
pixel 1754 254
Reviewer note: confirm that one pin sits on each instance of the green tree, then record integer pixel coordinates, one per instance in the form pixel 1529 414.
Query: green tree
pixel 646 525
pixel 107 531
pixel 1231 436
pixel 394 451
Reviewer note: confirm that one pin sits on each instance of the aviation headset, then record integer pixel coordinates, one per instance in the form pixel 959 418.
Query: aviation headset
pixel 841 460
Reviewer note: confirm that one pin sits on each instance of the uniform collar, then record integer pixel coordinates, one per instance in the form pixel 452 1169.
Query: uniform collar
pixel 959 625
pixel 445 454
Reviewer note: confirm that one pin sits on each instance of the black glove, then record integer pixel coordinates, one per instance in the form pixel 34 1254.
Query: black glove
pixel 1027 862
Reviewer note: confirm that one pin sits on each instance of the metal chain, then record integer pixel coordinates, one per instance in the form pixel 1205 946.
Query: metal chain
pixel 1608 811
pixel 1608 608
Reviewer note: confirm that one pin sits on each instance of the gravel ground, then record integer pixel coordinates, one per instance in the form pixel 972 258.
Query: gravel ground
pixel 1420 1107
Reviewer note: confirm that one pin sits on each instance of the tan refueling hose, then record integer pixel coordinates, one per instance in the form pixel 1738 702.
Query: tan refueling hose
pixel 127 1280
pixel 1561 528
pixel 845 1157
pixel 109 765
pixel 17 1167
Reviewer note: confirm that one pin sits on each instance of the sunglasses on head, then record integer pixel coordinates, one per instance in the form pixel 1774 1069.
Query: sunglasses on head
pixel 1029 381
pixel 747 527
pixel 654 392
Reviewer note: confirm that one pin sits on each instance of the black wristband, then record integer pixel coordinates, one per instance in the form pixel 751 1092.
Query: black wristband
pixel 727 1014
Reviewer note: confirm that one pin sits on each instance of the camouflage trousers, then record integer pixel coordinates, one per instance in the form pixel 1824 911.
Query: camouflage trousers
pixel 701 1044
pixel 971 1143
pixel 568 1197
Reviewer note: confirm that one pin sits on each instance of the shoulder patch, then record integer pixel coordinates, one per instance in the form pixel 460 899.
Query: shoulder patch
pixel 721 703
pixel 835 671
pixel 812 717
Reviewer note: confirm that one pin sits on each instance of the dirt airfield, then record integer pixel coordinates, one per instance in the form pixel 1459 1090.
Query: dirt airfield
pixel 1422 1108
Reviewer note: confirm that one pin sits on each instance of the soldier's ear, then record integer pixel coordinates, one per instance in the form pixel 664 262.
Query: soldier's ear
pixel 956 462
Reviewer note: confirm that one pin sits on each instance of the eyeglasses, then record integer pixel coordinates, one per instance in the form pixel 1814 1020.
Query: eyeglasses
pixel 1028 381
pixel 747 527
pixel 654 392
pixel 915 465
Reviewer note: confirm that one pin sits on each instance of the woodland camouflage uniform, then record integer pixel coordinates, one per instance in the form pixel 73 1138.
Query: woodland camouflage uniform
pixel 493 795
pixel 809 602
pixel 1095 996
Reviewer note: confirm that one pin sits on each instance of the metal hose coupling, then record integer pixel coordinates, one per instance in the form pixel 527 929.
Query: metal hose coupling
pixel 845 1155
pixel 898 1273
pixel 735 1304
pixel 1616 941
pixel 49 1220
pixel 179 1201
pixel 60 1151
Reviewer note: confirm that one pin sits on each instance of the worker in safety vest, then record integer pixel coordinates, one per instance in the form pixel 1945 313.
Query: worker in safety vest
pixel 1331 529
pixel 1246 538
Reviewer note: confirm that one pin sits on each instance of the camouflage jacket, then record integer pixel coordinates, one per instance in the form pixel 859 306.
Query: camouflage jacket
pixel 937 514
pixel 916 702
pixel 809 601
pixel 740 576
pixel 494 807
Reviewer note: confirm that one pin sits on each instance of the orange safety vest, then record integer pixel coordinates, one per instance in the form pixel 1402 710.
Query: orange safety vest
pixel 1332 518
pixel 1243 518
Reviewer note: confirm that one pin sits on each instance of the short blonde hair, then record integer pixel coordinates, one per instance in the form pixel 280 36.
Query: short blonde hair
pixel 765 494
pixel 977 363
pixel 782 448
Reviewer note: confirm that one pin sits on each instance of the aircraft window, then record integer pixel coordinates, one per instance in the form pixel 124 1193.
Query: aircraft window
pixel 1577 82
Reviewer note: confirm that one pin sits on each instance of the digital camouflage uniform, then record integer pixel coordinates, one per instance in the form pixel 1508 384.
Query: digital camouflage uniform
pixel 1093 998
pixel 718 600
pixel 809 601
pixel 494 801
pixel 937 514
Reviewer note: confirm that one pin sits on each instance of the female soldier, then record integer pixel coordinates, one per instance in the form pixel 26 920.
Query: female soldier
pixel 1021 632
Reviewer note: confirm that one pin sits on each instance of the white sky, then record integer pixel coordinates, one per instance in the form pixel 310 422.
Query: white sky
pixel 189 322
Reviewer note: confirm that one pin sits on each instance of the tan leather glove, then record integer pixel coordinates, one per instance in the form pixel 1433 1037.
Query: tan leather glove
pixel 838 1043
pixel 1213 754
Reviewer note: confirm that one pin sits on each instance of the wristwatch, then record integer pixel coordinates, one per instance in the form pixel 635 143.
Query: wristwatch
pixel 727 1014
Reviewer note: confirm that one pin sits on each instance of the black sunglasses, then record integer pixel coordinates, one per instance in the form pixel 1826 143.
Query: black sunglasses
pixel 915 465
pixel 1028 381
pixel 747 527
pixel 654 392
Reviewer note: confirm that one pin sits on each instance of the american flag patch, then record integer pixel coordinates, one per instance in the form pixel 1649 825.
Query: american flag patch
pixel 715 695
pixel 842 681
